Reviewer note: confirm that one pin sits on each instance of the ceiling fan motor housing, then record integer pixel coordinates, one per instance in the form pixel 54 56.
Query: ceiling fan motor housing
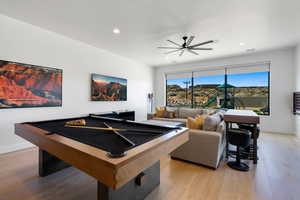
pixel 184 44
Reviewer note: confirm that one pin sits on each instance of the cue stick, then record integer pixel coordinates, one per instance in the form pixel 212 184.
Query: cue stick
pixel 117 129
pixel 117 133
pixel 92 127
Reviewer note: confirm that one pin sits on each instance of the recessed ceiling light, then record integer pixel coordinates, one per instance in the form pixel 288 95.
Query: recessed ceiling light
pixel 116 31
pixel 242 44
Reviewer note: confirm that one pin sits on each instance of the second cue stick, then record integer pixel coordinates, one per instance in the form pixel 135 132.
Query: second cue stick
pixel 117 129
pixel 117 133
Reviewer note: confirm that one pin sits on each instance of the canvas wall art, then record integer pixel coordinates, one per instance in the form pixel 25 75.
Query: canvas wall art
pixel 108 88
pixel 24 85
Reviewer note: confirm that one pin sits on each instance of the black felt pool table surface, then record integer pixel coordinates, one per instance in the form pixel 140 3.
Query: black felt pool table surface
pixel 103 139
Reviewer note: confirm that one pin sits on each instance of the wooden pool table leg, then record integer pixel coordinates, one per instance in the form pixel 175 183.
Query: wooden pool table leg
pixel 49 164
pixel 137 189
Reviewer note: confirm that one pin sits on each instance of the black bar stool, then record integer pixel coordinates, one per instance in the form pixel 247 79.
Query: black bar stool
pixel 241 139
pixel 250 128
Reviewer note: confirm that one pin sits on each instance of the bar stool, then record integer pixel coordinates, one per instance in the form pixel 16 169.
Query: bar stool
pixel 250 128
pixel 241 139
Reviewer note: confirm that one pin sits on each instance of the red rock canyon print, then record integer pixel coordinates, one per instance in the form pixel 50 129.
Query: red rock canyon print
pixel 23 85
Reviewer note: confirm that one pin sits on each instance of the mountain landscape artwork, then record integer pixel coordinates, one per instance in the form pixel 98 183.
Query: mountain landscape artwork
pixel 107 88
pixel 23 85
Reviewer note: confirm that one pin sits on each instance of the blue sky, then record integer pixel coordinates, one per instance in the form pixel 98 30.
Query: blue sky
pixel 109 79
pixel 238 80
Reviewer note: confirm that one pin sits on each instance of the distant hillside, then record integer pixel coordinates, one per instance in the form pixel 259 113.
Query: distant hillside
pixel 205 95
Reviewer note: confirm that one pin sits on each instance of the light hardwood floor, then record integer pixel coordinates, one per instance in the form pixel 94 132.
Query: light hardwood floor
pixel 276 177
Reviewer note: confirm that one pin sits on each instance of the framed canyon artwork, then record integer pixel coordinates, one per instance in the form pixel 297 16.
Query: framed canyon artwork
pixel 24 85
pixel 108 88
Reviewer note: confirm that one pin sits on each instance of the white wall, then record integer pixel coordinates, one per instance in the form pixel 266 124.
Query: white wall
pixel 281 118
pixel 297 86
pixel 25 43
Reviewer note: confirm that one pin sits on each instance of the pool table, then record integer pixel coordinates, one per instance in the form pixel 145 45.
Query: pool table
pixel 123 156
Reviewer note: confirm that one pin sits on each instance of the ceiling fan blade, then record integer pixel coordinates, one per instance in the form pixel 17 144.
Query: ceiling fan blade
pixel 202 43
pixel 190 40
pixel 182 51
pixel 193 52
pixel 201 48
pixel 174 43
pixel 168 47
pixel 173 51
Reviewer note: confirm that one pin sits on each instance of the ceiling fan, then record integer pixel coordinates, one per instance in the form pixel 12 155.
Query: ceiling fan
pixel 187 46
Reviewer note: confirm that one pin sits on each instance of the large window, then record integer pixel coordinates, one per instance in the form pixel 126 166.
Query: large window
pixel 244 88
pixel 250 88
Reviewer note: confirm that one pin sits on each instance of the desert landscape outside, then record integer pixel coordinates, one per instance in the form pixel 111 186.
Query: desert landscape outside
pixel 23 85
pixel 108 88
pixel 209 92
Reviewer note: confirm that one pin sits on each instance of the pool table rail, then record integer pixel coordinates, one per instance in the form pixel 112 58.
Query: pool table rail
pixel 113 172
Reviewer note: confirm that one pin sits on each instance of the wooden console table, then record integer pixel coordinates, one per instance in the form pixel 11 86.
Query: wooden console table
pixel 243 117
pixel 119 114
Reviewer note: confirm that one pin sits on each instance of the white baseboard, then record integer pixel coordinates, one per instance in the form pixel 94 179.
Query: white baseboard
pixel 15 147
pixel 280 133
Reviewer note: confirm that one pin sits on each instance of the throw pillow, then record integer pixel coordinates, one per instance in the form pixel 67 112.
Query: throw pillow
pixel 171 114
pixel 166 114
pixel 211 122
pixel 173 109
pixel 200 119
pixel 159 112
pixel 192 123
pixel 221 127
pixel 195 123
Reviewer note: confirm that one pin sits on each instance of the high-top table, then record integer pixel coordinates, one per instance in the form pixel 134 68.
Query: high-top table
pixel 243 117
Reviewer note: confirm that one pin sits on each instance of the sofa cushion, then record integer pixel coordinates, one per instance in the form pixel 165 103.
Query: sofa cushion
pixel 208 111
pixel 189 112
pixel 211 122
pixel 174 119
pixel 173 109
pixel 221 112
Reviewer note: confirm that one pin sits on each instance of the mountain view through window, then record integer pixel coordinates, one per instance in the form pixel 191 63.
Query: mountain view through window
pixel 243 91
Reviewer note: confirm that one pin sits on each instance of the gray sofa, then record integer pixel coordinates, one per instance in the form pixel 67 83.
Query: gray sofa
pixel 205 147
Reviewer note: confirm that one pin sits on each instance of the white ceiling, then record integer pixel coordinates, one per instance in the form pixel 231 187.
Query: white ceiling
pixel 146 24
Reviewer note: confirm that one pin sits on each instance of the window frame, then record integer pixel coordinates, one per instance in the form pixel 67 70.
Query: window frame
pixel 225 95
